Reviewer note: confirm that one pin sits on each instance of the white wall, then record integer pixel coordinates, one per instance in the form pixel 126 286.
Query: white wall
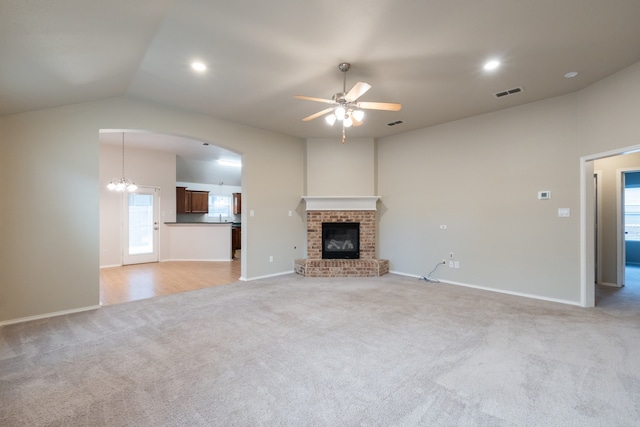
pixel 608 112
pixel 480 177
pixel 208 172
pixel 50 261
pixel 196 242
pixel 148 168
pixel 335 169
pixel 49 214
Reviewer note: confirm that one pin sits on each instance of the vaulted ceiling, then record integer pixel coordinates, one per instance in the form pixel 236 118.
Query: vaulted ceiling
pixel 425 54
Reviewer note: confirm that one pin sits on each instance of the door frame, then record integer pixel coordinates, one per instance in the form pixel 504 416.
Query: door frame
pixel 587 222
pixel 598 226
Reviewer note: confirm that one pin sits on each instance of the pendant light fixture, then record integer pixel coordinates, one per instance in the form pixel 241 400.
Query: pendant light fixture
pixel 122 184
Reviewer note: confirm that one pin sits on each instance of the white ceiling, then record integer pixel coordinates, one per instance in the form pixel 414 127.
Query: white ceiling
pixel 425 54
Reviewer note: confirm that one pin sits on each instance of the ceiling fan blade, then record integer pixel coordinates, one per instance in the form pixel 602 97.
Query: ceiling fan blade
pixel 385 106
pixel 318 114
pixel 357 91
pixel 310 98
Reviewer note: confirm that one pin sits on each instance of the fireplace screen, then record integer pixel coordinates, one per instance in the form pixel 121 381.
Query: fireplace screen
pixel 340 240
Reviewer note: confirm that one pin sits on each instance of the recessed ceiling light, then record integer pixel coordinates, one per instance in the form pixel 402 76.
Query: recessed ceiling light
pixel 491 65
pixel 198 66
pixel 571 74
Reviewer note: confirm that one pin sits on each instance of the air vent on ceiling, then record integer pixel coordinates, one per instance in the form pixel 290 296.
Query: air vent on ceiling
pixel 397 122
pixel 509 92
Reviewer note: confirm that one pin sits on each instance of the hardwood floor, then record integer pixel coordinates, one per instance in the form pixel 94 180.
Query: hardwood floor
pixel 140 281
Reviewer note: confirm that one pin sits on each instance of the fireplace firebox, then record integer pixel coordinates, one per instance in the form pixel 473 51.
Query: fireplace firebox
pixel 340 240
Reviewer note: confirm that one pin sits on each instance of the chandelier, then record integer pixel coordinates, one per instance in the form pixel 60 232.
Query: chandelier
pixel 122 184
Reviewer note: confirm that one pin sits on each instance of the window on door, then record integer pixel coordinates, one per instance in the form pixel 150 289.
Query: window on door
pixel 141 214
pixel 140 224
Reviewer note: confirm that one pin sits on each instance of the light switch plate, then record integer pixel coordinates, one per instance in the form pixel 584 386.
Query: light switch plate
pixel 564 212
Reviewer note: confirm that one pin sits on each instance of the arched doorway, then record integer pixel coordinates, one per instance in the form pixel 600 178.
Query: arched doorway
pixel 161 161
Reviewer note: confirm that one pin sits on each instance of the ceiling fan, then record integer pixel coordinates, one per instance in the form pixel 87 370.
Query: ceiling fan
pixel 345 106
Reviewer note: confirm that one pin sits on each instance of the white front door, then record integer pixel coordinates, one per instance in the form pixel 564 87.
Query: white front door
pixel 141 226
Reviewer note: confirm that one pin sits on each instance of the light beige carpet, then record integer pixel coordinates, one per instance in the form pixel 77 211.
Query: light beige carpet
pixel 295 351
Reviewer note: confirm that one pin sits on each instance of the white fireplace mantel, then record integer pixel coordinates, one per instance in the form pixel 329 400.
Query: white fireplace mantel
pixel 341 203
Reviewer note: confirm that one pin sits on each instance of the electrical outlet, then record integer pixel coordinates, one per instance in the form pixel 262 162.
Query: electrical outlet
pixel 443 227
pixel 444 261
pixel 271 258
pixel 450 264
pixel 456 264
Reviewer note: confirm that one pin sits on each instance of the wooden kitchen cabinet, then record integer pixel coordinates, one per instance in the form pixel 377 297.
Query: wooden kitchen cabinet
pixel 237 203
pixel 183 200
pixel 236 238
pixel 199 201
pixel 189 201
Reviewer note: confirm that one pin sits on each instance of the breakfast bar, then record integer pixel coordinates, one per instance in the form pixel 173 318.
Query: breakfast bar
pixel 199 241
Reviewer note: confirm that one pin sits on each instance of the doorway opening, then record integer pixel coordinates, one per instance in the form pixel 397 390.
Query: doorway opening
pixel 136 254
pixel 602 230
pixel 630 217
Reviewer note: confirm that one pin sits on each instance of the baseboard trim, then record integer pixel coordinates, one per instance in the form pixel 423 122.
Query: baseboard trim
pixel 245 279
pixel 174 260
pixel 205 260
pixel 48 315
pixel 501 291
pixel 613 285
pixel 399 273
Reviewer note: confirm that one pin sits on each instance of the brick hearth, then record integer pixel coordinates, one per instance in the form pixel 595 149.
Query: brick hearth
pixel 366 266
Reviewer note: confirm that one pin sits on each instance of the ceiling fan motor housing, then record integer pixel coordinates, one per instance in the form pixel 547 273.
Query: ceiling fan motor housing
pixel 340 97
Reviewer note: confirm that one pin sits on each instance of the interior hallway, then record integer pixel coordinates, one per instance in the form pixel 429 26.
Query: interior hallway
pixel 632 276
pixel 141 281
pixel 627 298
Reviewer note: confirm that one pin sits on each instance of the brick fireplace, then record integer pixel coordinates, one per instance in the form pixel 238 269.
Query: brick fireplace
pixel 341 210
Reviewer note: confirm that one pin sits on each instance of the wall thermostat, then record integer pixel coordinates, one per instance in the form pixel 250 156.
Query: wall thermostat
pixel 544 195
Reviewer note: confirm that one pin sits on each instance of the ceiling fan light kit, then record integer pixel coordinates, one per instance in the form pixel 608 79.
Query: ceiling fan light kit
pixel 346 108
